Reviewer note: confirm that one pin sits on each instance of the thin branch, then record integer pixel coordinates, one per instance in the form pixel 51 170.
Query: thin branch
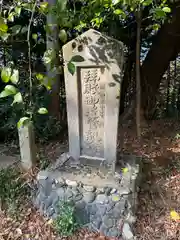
pixel 29 55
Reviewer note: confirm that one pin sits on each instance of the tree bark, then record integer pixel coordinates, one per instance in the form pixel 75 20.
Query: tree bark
pixel 126 79
pixel 165 46
pixel 53 43
pixel 138 77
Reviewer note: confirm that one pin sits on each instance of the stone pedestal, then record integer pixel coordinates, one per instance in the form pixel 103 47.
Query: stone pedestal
pixel 103 201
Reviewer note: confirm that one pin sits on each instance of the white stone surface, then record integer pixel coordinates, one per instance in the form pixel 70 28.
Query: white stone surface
pixel 27 146
pixel 93 93
pixel 126 232
pixel 71 183
pixel 42 175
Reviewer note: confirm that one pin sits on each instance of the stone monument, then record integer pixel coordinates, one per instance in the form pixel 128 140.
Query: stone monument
pixel 93 94
pixel 103 193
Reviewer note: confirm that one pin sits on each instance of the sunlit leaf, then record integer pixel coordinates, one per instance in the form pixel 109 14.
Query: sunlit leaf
pixel 5 93
pixel 44 6
pixel 50 222
pixel 39 76
pixel 156 27
pixel 4 36
pixel 11 89
pixel 166 9
pixel 18 98
pixel 18 10
pixel 118 11
pixel 15 76
pixel 125 170
pixel 42 111
pixel 23 121
pixel 63 36
pixel 6 74
pixel 34 36
pixel 28 6
pixel 11 17
pixel 159 13
pixel 3 26
pixel 115 197
pixel 115 2
pixel 49 55
pixel 47 82
pixel 77 58
pixel 147 2
pixel 71 68
pixel 174 215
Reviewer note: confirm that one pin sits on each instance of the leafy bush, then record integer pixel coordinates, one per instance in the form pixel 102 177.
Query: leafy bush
pixel 66 224
pixel 46 127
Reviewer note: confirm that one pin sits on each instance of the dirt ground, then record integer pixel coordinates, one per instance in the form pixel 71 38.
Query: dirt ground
pixel 159 193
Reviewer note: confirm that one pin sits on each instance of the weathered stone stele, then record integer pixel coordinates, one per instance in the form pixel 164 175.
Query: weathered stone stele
pixel 27 146
pixel 93 75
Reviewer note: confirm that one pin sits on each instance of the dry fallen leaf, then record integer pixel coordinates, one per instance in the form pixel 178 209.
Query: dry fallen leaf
pixel 174 215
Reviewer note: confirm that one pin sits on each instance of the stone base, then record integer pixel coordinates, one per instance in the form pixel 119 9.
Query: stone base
pixel 103 201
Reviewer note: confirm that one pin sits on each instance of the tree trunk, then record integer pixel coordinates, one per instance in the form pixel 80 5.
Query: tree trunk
pixel 126 79
pixel 138 80
pixel 165 45
pixel 53 43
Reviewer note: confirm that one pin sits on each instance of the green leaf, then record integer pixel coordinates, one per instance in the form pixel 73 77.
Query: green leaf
pixel 63 36
pixel 77 58
pixel 71 68
pixel 24 29
pixel 34 36
pixel 18 10
pixel 166 9
pixel 156 27
pixel 47 82
pixel 39 76
pixel 6 74
pixel 16 29
pixel 42 111
pixel 44 6
pixel 118 12
pixel 28 6
pixel 3 26
pixel 23 121
pixel 8 90
pixel 147 2
pixel 116 2
pixel 62 5
pixel 49 56
pixel 18 98
pixel 15 76
pixel 4 36
pixel 11 89
pixel 5 93
pixel 11 17
pixel 159 13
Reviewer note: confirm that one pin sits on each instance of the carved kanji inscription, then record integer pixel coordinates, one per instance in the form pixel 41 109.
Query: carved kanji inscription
pixel 93 102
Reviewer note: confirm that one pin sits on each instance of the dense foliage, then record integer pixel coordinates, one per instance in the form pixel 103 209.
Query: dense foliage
pixel 26 90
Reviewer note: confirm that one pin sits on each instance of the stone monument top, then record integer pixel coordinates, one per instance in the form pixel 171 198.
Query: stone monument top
pixel 93 75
